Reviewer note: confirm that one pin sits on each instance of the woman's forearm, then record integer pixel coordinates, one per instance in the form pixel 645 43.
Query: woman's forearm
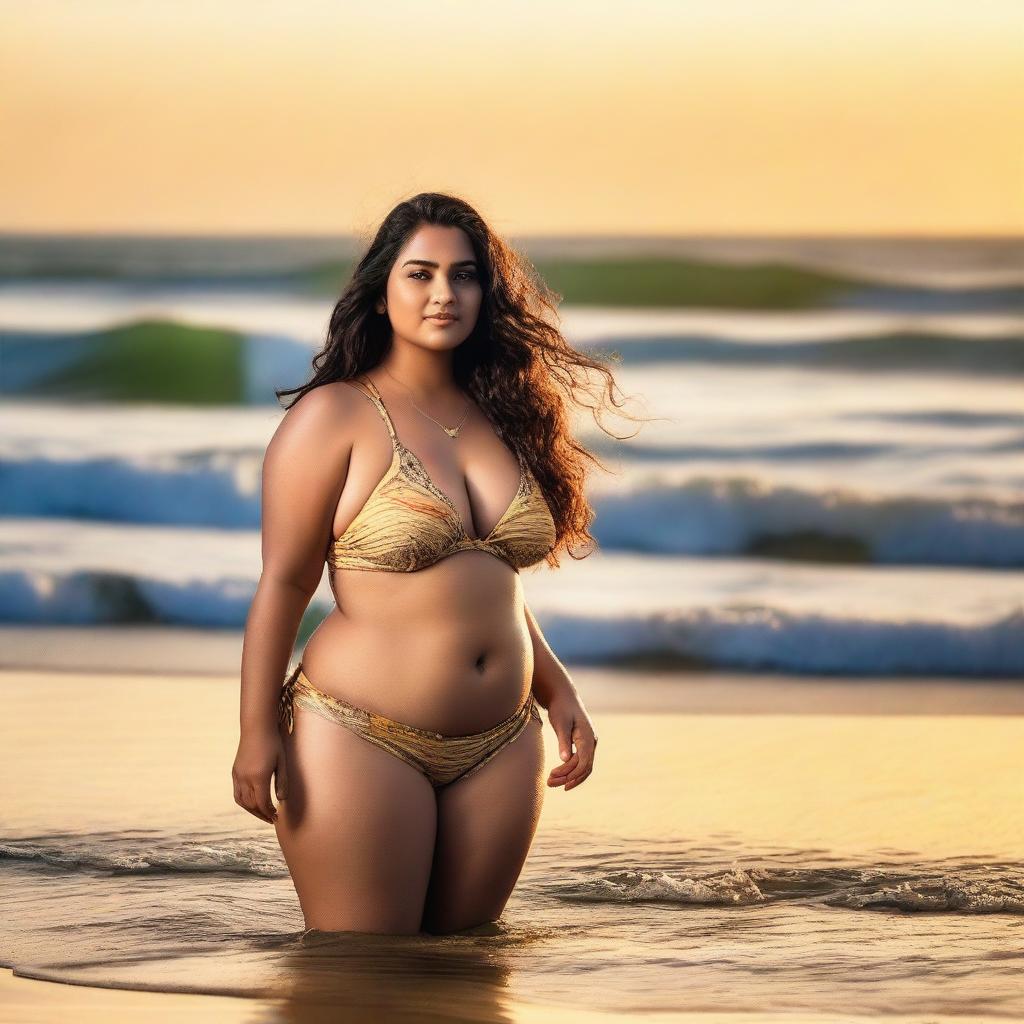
pixel 549 674
pixel 270 631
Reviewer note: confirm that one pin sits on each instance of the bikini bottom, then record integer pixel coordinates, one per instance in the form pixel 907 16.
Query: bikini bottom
pixel 441 758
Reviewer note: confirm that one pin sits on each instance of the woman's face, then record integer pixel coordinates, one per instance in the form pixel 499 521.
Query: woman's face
pixel 436 272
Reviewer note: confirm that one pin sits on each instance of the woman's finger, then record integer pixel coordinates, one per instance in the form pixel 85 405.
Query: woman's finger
pixel 576 782
pixel 561 770
pixel 579 766
pixel 583 768
pixel 563 733
pixel 255 806
pixel 585 746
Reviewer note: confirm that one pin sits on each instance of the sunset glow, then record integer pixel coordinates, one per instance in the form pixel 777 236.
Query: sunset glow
pixel 651 118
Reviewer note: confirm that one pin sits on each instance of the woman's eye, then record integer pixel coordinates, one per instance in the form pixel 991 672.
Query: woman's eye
pixel 468 274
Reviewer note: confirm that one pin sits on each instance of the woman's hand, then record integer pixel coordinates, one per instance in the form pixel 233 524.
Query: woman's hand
pixel 572 726
pixel 260 755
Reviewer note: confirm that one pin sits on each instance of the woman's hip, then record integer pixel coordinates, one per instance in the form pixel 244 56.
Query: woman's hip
pixel 442 758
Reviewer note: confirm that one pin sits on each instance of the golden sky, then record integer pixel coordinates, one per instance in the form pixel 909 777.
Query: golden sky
pixel 561 116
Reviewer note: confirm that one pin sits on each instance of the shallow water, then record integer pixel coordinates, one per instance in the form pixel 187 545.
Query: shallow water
pixel 728 862
pixel 676 929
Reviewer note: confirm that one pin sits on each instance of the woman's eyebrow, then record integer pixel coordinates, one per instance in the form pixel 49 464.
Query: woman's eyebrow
pixel 429 263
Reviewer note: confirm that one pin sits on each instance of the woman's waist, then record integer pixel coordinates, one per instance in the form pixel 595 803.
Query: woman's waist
pixel 452 676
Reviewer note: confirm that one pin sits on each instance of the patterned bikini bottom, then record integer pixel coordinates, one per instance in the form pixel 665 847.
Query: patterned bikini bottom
pixel 441 758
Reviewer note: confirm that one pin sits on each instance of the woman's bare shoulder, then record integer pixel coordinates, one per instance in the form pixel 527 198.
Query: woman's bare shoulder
pixel 324 415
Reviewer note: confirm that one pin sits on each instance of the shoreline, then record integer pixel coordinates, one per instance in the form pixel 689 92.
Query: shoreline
pixel 166 653
pixel 619 691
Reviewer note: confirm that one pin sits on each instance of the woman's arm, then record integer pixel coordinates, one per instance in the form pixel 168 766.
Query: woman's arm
pixel 549 674
pixel 304 470
pixel 556 692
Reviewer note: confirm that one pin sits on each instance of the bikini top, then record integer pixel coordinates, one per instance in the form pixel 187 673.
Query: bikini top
pixel 409 523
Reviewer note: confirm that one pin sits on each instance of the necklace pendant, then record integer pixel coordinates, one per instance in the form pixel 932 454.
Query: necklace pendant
pixel 451 431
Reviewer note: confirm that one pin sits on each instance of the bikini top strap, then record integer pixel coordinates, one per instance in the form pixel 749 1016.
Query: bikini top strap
pixel 368 388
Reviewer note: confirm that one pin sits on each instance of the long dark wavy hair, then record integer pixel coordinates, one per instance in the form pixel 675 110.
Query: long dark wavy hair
pixel 515 365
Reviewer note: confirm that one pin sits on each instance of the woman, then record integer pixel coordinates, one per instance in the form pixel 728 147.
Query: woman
pixel 427 462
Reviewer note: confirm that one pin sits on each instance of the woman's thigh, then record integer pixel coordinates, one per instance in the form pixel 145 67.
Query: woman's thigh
pixel 485 826
pixel 357 830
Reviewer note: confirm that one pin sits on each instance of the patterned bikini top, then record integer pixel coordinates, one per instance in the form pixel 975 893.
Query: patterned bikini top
pixel 409 523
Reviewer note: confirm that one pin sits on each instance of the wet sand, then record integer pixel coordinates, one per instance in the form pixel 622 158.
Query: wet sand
pixel 23 1001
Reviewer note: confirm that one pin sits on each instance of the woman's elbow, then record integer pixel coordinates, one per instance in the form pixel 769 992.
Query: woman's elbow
pixel 304 579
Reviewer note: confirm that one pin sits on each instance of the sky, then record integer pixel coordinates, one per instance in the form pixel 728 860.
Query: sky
pixel 555 117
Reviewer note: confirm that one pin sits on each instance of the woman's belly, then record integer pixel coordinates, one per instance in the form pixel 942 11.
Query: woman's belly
pixel 446 648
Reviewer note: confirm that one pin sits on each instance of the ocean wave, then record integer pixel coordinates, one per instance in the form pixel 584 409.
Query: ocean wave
pixel 759 637
pixel 700 516
pixel 147 852
pixel 965 889
pixel 196 488
pixel 970 418
pixel 752 636
pixel 170 361
pixel 820 451
pixel 740 515
pixel 153 360
pixel 897 351
pixel 653 272
pixel 792 451
pixel 94 597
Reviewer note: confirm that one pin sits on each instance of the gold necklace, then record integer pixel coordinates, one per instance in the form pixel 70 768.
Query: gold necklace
pixel 452 432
